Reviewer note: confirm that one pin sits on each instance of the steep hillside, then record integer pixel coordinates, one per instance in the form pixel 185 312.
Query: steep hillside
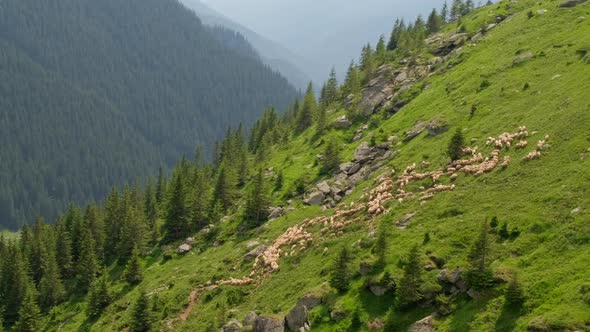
pixel 293 67
pixel 450 193
pixel 82 77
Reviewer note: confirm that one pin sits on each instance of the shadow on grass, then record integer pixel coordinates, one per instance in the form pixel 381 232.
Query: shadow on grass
pixel 466 313
pixel 508 318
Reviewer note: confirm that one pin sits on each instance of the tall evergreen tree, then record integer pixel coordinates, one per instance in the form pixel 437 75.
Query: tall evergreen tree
pixel 340 275
pixel 140 314
pixel 64 250
pixel 14 283
pixel 224 192
pixel 87 263
pixel 394 39
pixel 151 205
pixel 160 186
pixel 367 63
pixel 307 111
pixel 456 10
pixel 444 12
pixel 479 274
pixel 177 215
pixel 257 201
pixel 330 91
pixel 29 316
pixel 51 288
pixel 455 148
pixel 330 160
pixel 380 247
pixel 99 296
pixel 408 292
pixel 133 273
pixel 352 83
pixel 434 22
pixel 96 224
pixel 514 294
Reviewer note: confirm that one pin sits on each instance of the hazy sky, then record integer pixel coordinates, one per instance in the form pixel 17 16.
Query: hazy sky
pixel 328 32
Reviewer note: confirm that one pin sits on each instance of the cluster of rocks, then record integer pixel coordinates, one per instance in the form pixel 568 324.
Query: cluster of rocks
pixel 366 161
pixel 434 127
pixel 186 247
pixel 453 283
pixel 296 320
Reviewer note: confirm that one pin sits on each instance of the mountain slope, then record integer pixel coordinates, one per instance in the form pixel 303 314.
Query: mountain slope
pixel 523 80
pixel 277 57
pixel 147 73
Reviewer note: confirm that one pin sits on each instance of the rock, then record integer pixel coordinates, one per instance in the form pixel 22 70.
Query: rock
pixel 324 187
pixel 437 126
pixel 275 212
pixel 252 244
pixel 442 45
pixel 576 210
pixel 315 198
pixel 438 262
pixel 538 324
pixel 423 325
pixel 355 168
pixel 378 290
pixel 378 90
pixel 455 276
pixel 429 267
pixel 342 122
pixel 522 58
pixel 335 191
pixel 345 167
pixel 249 319
pixel 250 256
pixel 365 268
pixel 233 326
pixel 183 249
pixel 571 3
pixel 541 11
pixel 268 324
pixel 362 153
pixel 442 275
pixel 359 176
pixel 297 318
pixel 338 315
pixel 189 241
pixel 402 223
pixel 310 301
pixel 418 128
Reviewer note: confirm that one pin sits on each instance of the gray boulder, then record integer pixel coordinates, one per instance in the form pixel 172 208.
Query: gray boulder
pixel 362 153
pixel 338 315
pixel 571 3
pixel 233 326
pixel 268 324
pixel 250 256
pixel 522 58
pixel 342 122
pixel 297 318
pixel 315 198
pixel 310 301
pixel 183 249
pixel 423 325
pixel 324 187
pixel 275 212
pixel 249 319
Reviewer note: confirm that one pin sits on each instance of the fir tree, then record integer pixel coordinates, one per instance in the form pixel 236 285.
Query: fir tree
pixel 279 181
pixel 99 296
pixel 352 83
pixel 396 34
pixel 381 50
pixel 322 118
pixel 133 273
pixel 456 10
pixel 64 250
pixel 29 319
pixel 224 191
pixel 87 264
pixel 444 13
pixel 340 276
pixel 257 201
pixel 151 205
pixel 434 22
pixel 330 94
pixel 140 315
pixel 331 157
pixel 408 292
pixel 308 110
pixel 367 63
pixel 380 248
pixel 14 282
pixel 355 322
pixel 514 294
pixel 51 288
pixel 455 148
pixel 95 222
pixel 177 214
pixel 479 274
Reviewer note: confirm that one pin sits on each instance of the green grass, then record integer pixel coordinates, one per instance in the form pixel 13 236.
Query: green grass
pixel 552 254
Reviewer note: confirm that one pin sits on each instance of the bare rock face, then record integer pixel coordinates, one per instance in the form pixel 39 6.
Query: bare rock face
pixel 250 319
pixel 275 212
pixel 423 325
pixel 268 324
pixel 315 198
pixel 324 187
pixel 378 90
pixel 342 122
pixel 297 318
pixel 362 153
pixel 442 45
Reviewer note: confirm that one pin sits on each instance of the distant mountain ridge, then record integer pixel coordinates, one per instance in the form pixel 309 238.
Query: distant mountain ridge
pixel 97 93
pixel 292 66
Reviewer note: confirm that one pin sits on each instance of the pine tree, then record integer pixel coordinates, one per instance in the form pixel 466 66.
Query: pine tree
pixel 99 296
pixel 51 288
pixel 224 191
pixel 330 160
pixel 87 264
pixel 455 148
pixel 29 319
pixel 14 282
pixel 456 9
pixel 133 273
pixel 140 319
pixel 479 274
pixel 160 187
pixel 330 94
pixel 96 224
pixel 355 322
pixel 64 250
pixel 322 118
pixel 380 247
pixel 408 292
pixel 394 39
pixel 279 181
pixel 257 201
pixel 367 63
pixel 308 110
pixel 514 293
pixel 340 276
pixel 151 205
pixel 200 199
pixel 177 214
pixel 381 50
pixel 444 13
pixel 434 22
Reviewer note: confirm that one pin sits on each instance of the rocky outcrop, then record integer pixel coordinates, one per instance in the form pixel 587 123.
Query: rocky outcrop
pixel 571 3
pixel 268 324
pixel 233 326
pixel 251 255
pixel 435 127
pixel 315 198
pixel 297 318
pixel 441 44
pixel 423 325
pixel 522 58
pixel 183 249
pixel 275 212
pixel 250 319
pixel 453 281
pixel 342 122
pixel 362 153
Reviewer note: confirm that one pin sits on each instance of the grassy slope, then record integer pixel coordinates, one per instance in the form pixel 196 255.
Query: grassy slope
pixel 551 255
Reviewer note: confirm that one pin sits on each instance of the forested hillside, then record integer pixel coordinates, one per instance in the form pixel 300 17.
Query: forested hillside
pixel 443 186
pixel 98 93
